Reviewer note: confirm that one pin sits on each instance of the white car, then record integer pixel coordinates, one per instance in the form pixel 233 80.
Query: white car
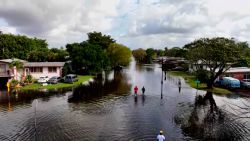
pixel 43 79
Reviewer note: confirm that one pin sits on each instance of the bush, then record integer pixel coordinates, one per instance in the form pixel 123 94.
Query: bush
pixel 202 75
pixel 13 83
pixel 28 79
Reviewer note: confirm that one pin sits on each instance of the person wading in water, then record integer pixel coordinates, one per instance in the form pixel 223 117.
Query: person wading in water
pixel 143 90
pixel 135 90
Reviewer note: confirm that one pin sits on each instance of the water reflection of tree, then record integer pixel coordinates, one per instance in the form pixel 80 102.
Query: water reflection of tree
pixel 97 89
pixel 18 98
pixel 208 122
pixel 241 111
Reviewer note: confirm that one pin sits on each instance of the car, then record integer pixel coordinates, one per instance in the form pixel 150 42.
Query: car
pixel 245 84
pixel 70 78
pixel 54 80
pixel 43 79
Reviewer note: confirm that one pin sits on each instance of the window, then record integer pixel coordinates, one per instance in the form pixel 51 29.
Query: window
pixel 52 69
pixel 2 68
pixel 246 77
pixel 36 69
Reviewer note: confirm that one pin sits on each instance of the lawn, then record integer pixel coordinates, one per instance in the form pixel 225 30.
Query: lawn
pixel 190 79
pixel 58 85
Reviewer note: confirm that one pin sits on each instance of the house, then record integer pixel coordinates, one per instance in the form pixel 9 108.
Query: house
pixel 6 72
pixel 240 73
pixel 193 67
pixel 42 69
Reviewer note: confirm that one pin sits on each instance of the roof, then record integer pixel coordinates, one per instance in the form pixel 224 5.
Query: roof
pixel 238 69
pixel 11 60
pixel 44 64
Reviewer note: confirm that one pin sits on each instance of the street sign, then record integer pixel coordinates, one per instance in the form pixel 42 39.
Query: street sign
pixel 197 83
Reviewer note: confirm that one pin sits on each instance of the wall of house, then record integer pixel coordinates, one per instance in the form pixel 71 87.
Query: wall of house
pixel 46 73
pixel 237 75
pixel 3 69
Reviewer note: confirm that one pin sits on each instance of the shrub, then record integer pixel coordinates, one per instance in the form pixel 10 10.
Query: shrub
pixel 202 75
pixel 13 83
pixel 28 79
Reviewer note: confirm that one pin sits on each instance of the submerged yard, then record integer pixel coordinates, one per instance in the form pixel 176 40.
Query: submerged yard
pixel 58 85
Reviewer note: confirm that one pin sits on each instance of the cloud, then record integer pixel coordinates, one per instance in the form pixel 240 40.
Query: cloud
pixel 58 20
pixel 135 23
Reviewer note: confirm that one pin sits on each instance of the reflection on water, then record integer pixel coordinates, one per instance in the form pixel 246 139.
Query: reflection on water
pixel 117 86
pixel 208 122
pixel 106 109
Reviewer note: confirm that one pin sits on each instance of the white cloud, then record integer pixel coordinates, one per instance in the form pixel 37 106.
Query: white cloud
pixel 135 23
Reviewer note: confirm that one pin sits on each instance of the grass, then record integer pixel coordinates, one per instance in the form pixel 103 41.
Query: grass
pixel 190 79
pixel 58 85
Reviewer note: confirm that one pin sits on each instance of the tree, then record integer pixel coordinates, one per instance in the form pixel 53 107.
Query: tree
pixel 59 55
pixel 39 55
pixel 96 38
pixel 17 64
pixel 217 53
pixel 17 46
pixel 150 55
pixel 139 54
pixel 119 54
pixel 176 52
pixel 160 52
pixel 88 57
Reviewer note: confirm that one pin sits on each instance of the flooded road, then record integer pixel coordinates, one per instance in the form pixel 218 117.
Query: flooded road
pixel 107 110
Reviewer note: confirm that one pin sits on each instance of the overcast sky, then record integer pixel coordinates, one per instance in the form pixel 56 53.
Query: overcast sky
pixel 134 23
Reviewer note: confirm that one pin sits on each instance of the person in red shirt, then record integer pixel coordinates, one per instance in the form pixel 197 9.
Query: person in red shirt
pixel 135 89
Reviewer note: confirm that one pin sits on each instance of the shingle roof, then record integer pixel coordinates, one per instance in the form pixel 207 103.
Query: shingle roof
pixel 11 60
pixel 44 64
pixel 238 69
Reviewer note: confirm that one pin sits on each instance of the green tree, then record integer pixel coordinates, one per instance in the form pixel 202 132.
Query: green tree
pixel 96 38
pixel 39 55
pixel 139 55
pixel 17 64
pixel 217 53
pixel 17 46
pixel 160 52
pixel 88 57
pixel 150 55
pixel 58 55
pixel 176 52
pixel 119 54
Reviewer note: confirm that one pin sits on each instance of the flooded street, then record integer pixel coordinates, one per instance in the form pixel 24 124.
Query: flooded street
pixel 107 110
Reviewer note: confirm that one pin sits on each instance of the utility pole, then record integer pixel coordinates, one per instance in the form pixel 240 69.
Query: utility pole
pixel 161 77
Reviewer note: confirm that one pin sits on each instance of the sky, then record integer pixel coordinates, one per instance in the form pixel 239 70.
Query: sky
pixel 134 23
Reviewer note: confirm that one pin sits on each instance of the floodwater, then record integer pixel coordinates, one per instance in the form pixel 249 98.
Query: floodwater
pixel 107 110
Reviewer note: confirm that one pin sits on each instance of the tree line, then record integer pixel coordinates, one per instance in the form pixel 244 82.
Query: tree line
pixel 30 49
pixel 147 55
pixel 99 52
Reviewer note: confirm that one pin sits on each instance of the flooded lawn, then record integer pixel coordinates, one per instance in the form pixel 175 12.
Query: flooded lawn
pixel 107 110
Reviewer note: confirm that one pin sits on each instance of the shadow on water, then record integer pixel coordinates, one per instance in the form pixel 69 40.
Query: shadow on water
pixel 117 86
pixel 207 121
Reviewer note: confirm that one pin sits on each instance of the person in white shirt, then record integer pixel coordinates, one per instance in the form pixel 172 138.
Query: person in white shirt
pixel 161 137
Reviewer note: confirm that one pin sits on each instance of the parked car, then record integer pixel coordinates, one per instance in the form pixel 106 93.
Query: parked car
pixel 54 80
pixel 245 84
pixel 43 79
pixel 230 82
pixel 70 78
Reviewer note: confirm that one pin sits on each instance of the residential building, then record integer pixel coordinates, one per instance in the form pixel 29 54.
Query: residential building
pixel 42 69
pixel 6 72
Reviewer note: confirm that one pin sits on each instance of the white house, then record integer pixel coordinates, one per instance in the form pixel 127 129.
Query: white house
pixel 42 69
